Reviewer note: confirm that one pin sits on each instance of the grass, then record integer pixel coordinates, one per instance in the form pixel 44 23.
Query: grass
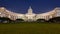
pixel 30 28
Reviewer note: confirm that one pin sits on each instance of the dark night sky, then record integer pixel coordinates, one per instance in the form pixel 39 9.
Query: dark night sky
pixel 38 6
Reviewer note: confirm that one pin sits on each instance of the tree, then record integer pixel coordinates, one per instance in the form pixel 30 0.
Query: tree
pixel 4 20
pixel 41 20
pixel 55 19
pixel 19 20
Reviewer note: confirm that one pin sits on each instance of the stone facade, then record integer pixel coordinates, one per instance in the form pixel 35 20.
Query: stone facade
pixel 29 16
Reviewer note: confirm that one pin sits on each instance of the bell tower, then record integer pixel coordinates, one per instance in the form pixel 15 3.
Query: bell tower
pixel 30 10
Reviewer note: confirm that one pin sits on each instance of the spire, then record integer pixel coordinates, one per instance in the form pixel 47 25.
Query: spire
pixel 30 10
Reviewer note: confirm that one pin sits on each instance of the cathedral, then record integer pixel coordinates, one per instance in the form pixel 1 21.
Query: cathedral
pixel 29 16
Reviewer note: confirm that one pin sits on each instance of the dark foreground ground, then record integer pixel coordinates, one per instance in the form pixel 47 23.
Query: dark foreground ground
pixel 30 28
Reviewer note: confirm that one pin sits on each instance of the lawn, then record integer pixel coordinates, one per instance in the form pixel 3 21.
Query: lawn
pixel 30 28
